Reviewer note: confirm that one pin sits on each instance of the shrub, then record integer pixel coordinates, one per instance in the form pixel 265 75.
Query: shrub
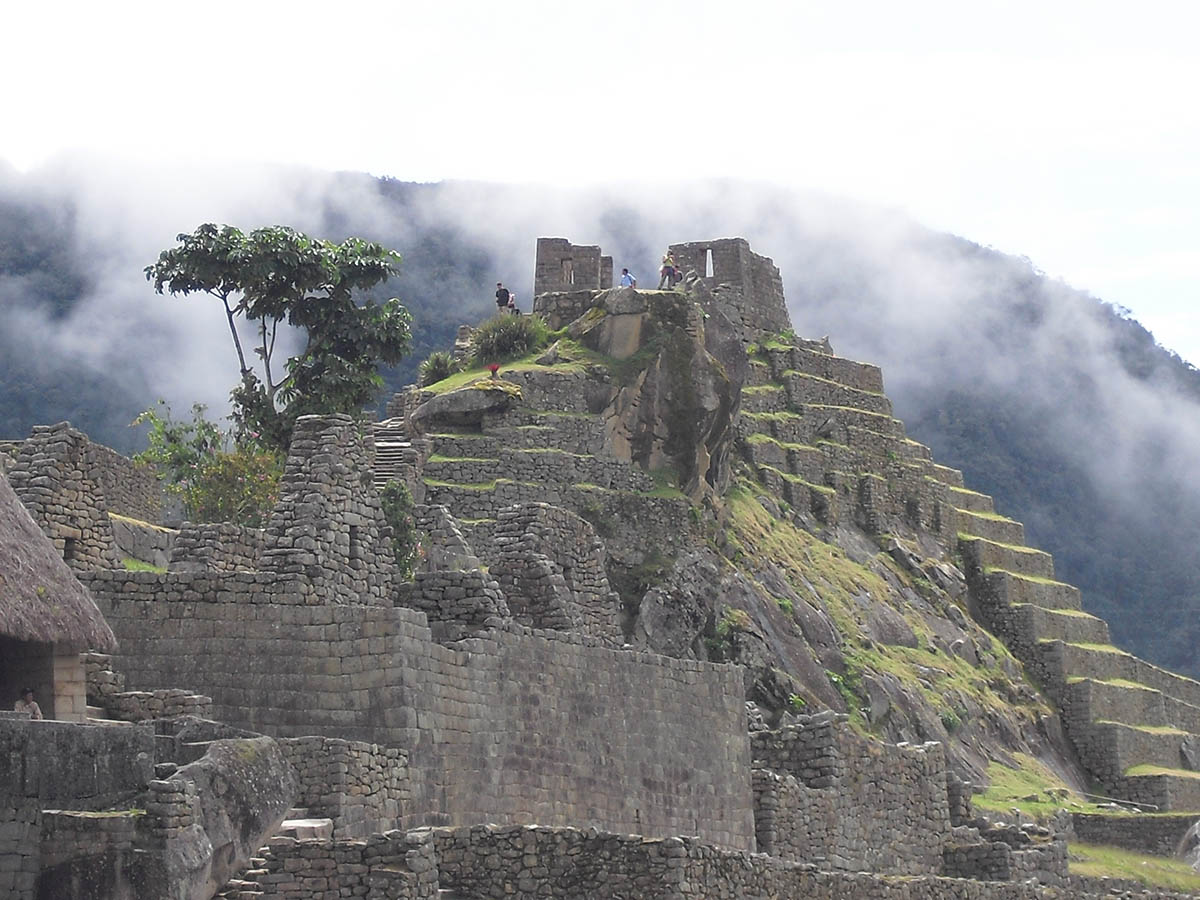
pixel 240 486
pixel 440 365
pixel 508 337
pixel 195 462
pixel 733 619
pixel 397 502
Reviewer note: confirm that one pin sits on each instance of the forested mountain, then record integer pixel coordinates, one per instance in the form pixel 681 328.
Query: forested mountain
pixel 1064 409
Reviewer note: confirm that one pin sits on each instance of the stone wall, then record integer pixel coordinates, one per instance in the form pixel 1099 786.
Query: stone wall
pixel 824 794
pixel 572 864
pixel 447 547
pixel 8 454
pixel 552 567
pixel 216 547
pixel 20 838
pixel 77 766
pixel 562 266
pixel 456 603
pixel 361 787
pixel 1157 835
pixel 561 308
pixel 130 489
pixel 54 478
pixel 746 285
pixel 392 866
pixel 135 539
pixel 513 726
pixel 328 525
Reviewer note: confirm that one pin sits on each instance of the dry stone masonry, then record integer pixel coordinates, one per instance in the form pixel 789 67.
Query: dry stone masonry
pixel 290 668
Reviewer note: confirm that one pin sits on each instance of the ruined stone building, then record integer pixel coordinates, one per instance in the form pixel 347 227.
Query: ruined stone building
pixel 619 669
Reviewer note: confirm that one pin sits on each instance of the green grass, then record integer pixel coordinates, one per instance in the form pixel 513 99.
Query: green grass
pixel 1035 579
pixel 1095 861
pixel 1012 785
pixel 796 373
pixel 141 523
pixel 991 517
pixel 1115 682
pixel 1149 729
pixel 136 565
pixel 1133 771
pixel 823 574
pixel 1015 548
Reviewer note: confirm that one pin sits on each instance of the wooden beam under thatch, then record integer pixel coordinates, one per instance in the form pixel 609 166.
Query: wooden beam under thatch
pixel 40 597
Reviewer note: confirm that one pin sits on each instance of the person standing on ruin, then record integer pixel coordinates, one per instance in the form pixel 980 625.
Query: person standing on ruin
pixel 27 704
pixel 666 275
pixel 627 280
pixel 502 297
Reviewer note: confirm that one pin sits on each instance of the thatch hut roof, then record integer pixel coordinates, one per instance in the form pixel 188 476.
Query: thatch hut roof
pixel 40 597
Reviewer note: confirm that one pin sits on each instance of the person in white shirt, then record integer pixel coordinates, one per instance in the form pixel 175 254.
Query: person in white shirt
pixel 627 280
pixel 28 705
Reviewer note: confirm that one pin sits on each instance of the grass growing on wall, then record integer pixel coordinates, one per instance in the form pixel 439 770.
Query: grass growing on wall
pixel 136 565
pixel 1096 861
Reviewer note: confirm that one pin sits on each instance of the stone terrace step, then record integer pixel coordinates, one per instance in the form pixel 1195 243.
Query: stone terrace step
pixel 1144 745
pixel 971 500
pixel 1013 587
pixel 991 526
pixel 470 444
pixel 980 554
pixel 823 414
pixel 814 389
pixel 1115 701
pixel 814 361
pixel 757 373
pixel 795 459
pixel 1131 703
pixel 547 467
pixel 863 376
pixel 526 428
pixel 1171 790
pixel 944 474
pixel 1107 663
pixel 1063 624
pixel 766 398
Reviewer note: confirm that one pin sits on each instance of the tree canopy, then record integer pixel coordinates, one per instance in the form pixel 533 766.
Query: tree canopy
pixel 276 275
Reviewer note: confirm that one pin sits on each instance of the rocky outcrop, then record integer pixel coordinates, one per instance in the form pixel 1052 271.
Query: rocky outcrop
pixel 226 804
pixel 675 399
pixel 464 407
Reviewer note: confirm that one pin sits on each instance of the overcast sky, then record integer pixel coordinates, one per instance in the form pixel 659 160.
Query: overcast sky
pixel 1064 131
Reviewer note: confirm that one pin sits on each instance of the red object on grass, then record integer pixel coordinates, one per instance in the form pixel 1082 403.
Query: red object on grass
pixel 494 368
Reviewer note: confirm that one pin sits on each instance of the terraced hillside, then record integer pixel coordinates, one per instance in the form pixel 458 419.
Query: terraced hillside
pixel 594 426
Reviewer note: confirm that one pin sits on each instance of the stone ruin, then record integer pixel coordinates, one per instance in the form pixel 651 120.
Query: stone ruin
pixel 280 697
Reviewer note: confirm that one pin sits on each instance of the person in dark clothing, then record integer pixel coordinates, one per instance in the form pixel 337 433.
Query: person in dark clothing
pixel 501 298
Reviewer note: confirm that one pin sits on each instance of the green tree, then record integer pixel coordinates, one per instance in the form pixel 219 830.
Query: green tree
pixel 273 276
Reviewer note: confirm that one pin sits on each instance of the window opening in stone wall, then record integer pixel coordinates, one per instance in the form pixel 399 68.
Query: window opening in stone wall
pixel 70 549
pixel 354 542
pixel 708 265
pixel 568 272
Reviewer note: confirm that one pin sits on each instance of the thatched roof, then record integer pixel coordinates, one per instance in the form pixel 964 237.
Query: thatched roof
pixel 40 597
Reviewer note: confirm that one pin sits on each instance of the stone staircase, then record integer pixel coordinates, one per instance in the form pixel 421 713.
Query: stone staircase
pixel 820 433
pixel 300 825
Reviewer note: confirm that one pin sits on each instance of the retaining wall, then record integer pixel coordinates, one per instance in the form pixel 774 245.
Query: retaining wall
pixel 520 725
